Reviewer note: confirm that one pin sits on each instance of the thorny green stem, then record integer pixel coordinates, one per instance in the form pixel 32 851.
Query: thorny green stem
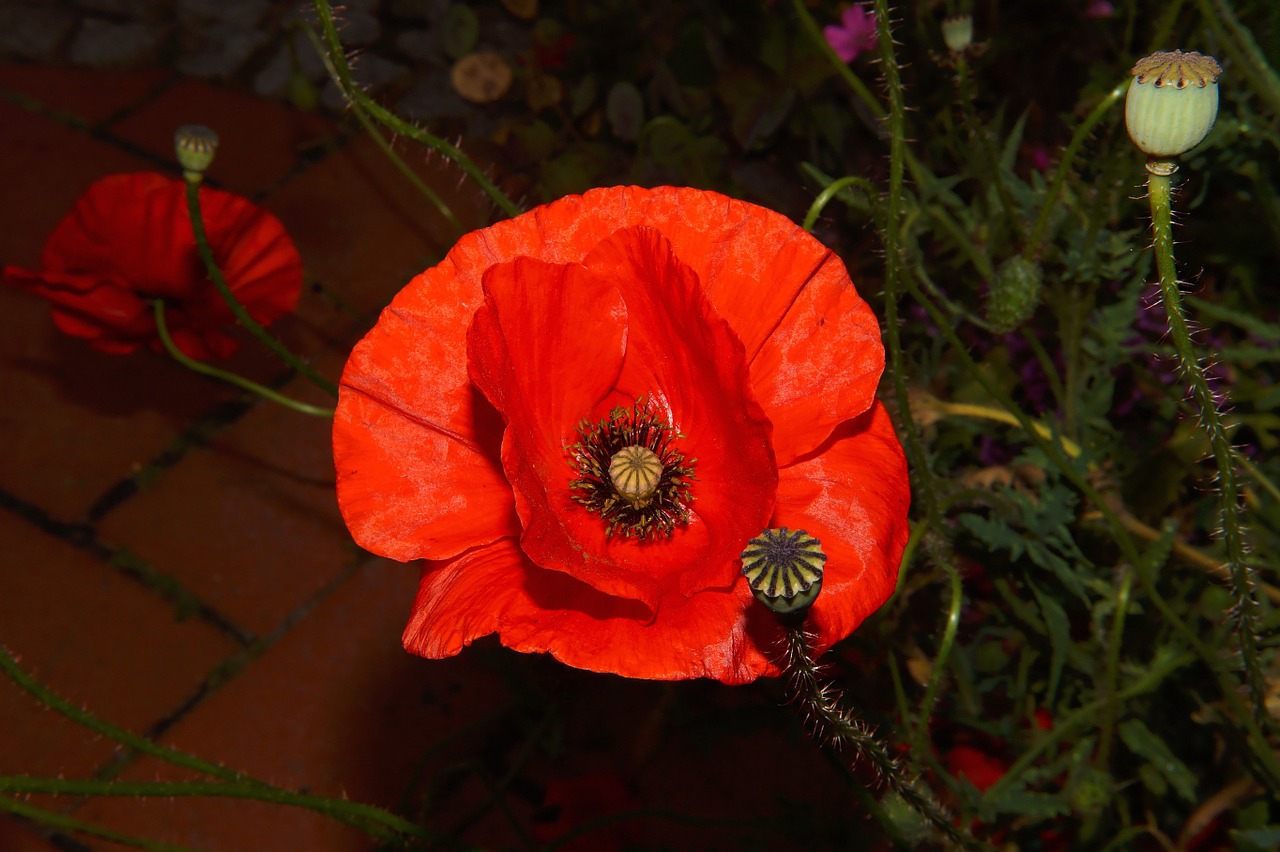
pixel 365 817
pixel 891 235
pixel 67 823
pixel 237 309
pixel 354 94
pixel 1050 202
pixel 1245 612
pixel 837 727
pixel 367 123
pixel 1267 763
pixel 162 329
pixel 990 159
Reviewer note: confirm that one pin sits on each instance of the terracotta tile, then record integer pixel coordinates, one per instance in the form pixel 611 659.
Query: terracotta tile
pixel 16 836
pixel 336 708
pixel 96 638
pixel 44 167
pixel 249 522
pixel 90 95
pixel 88 419
pixel 260 141
pixel 363 228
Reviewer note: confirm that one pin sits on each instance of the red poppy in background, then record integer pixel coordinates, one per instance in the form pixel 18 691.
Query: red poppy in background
pixel 982 770
pixel 715 332
pixel 128 241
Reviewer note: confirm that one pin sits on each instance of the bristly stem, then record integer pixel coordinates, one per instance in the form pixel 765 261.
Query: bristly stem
pixel 837 727
pixel 1245 612
pixel 324 13
pixel 224 290
pixel 162 329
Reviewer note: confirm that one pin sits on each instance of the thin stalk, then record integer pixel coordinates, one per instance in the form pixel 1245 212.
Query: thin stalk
pixel 1241 48
pixel 940 660
pixel 352 813
pixel 162 329
pixel 832 190
pixel 367 818
pixel 1050 201
pixel 367 123
pixel 891 235
pixel 838 727
pixel 54 819
pixel 237 309
pixel 990 159
pixel 354 94
pixel 1245 612
pixel 1114 643
pixel 1266 761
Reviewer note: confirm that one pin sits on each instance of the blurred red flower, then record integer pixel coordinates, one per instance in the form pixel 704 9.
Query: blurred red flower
pixel 718 332
pixel 128 241
pixel 982 770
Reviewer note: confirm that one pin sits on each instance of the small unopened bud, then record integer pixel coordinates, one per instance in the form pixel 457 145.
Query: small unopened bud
pixel 784 569
pixel 1014 293
pixel 194 145
pixel 1172 102
pixel 957 32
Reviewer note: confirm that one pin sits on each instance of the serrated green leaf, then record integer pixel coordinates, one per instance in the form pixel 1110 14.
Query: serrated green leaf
pixel 1021 802
pixel 1145 744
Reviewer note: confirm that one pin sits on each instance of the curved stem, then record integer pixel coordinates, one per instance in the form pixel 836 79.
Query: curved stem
pixel 1114 642
pixel 366 122
pixel 237 309
pixel 353 93
pixel 190 363
pixel 832 190
pixel 1245 611
pixel 54 819
pixel 940 661
pixel 1050 202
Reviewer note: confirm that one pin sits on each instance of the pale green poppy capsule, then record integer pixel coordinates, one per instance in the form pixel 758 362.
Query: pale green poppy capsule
pixel 194 145
pixel 1172 103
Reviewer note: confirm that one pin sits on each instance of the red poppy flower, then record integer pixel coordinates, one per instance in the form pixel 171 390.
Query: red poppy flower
pixel 715 333
pixel 128 241
pixel 981 769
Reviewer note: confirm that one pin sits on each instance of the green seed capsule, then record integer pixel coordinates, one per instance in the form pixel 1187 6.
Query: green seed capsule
pixel 194 145
pixel 1172 103
pixel 784 569
pixel 1014 294
pixel 957 32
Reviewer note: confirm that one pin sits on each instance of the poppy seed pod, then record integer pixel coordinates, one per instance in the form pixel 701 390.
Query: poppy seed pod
pixel 784 569
pixel 1014 293
pixel 194 145
pixel 957 32
pixel 1172 103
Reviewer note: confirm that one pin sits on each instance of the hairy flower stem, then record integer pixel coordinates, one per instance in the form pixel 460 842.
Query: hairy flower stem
pixel 224 290
pixel 162 329
pixel 1245 612
pixel 367 818
pixel 354 94
pixel 838 727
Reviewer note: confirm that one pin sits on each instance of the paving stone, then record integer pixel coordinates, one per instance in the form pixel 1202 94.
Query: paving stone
pixel 17 836
pixel 336 708
pixel 249 522
pixel 244 14
pixel 96 638
pixel 100 43
pixel 91 96
pixel 34 31
pixel 260 142
pixel 364 229
pixel 223 50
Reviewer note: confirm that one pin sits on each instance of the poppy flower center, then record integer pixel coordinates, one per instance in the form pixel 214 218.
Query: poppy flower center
pixel 630 473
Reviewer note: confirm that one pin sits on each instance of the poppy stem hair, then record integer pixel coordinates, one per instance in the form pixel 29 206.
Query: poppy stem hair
pixel 242 316
pixel 162 329
pixel 835 726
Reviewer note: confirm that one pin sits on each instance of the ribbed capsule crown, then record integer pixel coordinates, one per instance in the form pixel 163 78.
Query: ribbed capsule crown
pixel 1172 103
pixel 784 569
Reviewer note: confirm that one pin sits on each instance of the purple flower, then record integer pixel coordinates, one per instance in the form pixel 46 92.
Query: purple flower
pixel 1099 9
pixel 856 34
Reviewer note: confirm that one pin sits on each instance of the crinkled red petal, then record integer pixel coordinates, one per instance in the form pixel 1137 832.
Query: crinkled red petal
pixel 496 589
pixel 852 495
pixel 547 348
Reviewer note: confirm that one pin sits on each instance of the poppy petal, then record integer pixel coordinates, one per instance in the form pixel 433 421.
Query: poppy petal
pixel 496 588
pixel 852 495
